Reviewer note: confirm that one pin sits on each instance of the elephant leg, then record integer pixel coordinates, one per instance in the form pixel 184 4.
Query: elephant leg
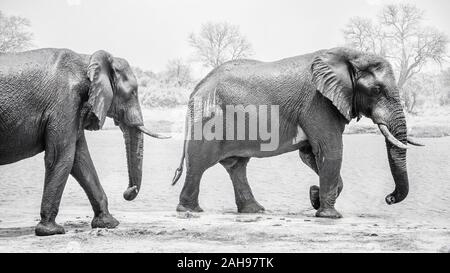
pixel 191 188
pixel 83 171
pixel 237 169
pixel 328 162
pixel 308 157
pixel 59 157
pixel 199 157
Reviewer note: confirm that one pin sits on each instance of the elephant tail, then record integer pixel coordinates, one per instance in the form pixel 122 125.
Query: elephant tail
pixel 179 170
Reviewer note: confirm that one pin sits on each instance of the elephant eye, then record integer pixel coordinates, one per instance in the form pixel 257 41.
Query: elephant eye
pixel 376 90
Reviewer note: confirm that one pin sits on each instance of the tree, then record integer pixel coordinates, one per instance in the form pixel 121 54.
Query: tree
pixel 399 36
pixel 421 87
pixel 144 78
pixel 364 35
pixel 14 35
pixel 178 72
pixel 217 43
pixel 445 79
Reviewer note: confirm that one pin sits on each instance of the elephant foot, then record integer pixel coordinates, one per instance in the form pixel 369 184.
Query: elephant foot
pixel 104 221
pixel 251 207
pixel 314 196
pixel 48 228
pixel 328 213
pixel 185 208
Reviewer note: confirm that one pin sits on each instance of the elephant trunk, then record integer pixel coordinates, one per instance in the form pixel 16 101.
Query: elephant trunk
pixel 397 156
pixel 134 143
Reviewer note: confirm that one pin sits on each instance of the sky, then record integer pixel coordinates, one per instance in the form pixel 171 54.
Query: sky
pixel 148 33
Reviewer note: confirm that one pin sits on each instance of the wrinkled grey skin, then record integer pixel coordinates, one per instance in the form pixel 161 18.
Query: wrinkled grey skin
pixel 319 92
pixel 47 98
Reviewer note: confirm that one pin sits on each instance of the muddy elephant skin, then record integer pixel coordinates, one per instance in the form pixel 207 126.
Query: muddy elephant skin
pixel 48 97
pixel 317 95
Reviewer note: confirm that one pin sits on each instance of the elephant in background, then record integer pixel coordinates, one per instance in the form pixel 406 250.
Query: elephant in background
pixel 47 98
pixel 317 94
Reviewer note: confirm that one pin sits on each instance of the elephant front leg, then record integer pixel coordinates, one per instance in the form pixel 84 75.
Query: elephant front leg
pixel 84 172
pixel 237 169
pixel 58 163
pixel 308 157
pixel 315 190
pixel 328 160
pixel 329 175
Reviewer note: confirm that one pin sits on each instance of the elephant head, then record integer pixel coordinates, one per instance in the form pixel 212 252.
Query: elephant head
pixel 364 84
pixel 113 92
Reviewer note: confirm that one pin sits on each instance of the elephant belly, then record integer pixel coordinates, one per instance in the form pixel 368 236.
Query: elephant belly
pixel 19 146
pixel 289 141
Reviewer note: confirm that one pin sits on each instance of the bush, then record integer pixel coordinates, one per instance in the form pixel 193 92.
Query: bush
pixel 164 89
pixel 163 96
pixel 430 131
pixel 445 98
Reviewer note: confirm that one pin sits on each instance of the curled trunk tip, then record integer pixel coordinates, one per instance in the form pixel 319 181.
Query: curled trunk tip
pixel 130 193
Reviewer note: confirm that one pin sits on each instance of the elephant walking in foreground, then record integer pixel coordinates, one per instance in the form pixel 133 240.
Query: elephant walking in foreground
pixel 47 98
pixel 317 94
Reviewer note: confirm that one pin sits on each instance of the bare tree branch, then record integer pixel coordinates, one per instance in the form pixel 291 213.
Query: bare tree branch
pixel 400 37
pixel 217 43
pixel 178 73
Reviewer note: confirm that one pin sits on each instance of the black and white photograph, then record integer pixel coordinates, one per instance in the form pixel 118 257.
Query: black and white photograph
pixel 224 126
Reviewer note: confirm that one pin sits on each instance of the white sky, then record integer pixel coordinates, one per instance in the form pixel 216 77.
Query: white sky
pixel 150 32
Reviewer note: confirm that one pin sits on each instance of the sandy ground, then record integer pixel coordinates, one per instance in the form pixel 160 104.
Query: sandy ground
pixel 229 232
pixel 150 224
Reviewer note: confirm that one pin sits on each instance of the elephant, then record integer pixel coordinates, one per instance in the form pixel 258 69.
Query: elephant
pixel 48 97
pixel 317 95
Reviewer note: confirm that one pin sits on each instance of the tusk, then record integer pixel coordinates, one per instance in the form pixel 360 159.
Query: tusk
pixel 385 131
pixel 412 141
pixel 147 132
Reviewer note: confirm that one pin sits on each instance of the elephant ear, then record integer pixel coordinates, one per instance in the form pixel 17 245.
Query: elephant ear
pixel 100 90
pixel 332 74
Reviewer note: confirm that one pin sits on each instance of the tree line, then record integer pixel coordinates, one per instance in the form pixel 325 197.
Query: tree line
pixel 397 33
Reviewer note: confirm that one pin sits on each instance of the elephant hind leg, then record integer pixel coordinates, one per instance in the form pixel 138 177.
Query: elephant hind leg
pixel 191 188
pixel 237 169
pixel 308 157
pixel 199 157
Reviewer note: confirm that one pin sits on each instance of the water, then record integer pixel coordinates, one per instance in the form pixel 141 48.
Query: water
pixel 280 183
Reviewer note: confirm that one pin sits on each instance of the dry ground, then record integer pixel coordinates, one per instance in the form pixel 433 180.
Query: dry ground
pixel 150 224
